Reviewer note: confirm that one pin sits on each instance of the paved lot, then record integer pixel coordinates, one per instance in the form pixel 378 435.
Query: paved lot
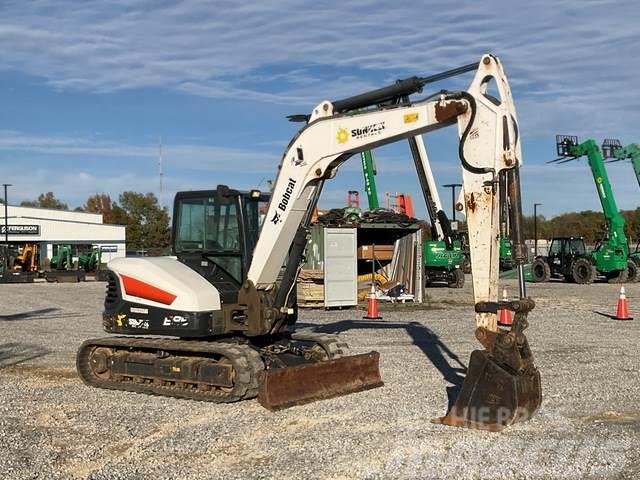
pixel 52 426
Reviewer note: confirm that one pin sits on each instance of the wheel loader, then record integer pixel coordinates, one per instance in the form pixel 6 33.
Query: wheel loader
pixel 217 321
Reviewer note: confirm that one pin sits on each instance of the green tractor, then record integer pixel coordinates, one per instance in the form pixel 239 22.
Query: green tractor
pixel 567 259
pixel 568 256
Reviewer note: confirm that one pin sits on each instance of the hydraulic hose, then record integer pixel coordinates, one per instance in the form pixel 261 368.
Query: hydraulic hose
pixel 472 103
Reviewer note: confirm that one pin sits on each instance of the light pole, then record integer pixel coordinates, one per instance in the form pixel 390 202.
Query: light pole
pixel 535 229
pixel 453 186
pixel 6 216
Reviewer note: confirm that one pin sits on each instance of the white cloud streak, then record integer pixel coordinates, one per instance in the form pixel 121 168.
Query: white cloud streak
pixel 571 63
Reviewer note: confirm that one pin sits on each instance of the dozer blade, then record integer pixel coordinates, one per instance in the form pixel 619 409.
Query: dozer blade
pixel 492 397
pixel 286 387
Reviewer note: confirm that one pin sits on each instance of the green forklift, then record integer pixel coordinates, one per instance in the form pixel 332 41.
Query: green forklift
pixel 568 257
pixel 613 151
pixel 442 255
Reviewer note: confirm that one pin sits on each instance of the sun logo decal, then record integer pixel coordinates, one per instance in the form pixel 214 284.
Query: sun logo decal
pixel 343 135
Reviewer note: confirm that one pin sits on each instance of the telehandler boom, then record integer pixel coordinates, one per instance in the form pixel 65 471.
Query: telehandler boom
pixel 613 150
pixel 237 323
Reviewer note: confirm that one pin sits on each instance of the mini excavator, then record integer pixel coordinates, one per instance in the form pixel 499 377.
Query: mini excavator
pixel 216 322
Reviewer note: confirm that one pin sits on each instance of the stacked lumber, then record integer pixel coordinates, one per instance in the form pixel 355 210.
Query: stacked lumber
pixel 310 288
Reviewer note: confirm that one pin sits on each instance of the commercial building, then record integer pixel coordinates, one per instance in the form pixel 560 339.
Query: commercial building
pixel 48 228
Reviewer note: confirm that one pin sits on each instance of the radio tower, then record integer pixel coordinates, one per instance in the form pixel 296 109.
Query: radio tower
pixel 160 170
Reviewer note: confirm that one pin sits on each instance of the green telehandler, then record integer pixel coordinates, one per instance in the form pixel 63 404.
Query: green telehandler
pixel 610 257
pixel 613 151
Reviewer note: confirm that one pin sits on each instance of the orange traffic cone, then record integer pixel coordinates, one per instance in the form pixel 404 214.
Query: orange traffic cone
pixel 623 308
pixel 506 320
pixel 372 309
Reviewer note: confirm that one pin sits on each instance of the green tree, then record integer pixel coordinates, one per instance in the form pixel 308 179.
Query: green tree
pixel 147 223
pixel 46 200
pixel 101 203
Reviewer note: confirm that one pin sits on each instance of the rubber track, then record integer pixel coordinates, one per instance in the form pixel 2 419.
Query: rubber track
pixel 245 360
pixel 330 343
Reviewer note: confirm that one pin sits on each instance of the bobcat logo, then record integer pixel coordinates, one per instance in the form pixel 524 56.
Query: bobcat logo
pixel 276 218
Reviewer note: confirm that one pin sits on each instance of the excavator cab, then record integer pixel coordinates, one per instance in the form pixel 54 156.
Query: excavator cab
pixel 215 231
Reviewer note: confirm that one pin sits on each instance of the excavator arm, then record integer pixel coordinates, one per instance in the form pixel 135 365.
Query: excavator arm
pixel 489 144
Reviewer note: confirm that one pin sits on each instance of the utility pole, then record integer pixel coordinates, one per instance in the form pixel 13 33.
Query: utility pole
pixel 453 186
pixel 6 215
pixel 161 172
pixel 535 228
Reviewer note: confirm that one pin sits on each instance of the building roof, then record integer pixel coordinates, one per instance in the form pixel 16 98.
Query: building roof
pixel 36 213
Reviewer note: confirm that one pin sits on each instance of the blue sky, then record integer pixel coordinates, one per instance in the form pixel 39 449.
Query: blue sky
pixel 88 88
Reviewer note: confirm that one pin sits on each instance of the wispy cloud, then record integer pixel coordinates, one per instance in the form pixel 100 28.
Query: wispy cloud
pixel 182 156
pixel 570 62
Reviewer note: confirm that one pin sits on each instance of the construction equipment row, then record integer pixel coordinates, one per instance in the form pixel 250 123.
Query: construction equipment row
pixel 20 265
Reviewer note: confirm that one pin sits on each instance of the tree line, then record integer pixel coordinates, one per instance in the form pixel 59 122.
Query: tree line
pixel 587 224
pixel 146 221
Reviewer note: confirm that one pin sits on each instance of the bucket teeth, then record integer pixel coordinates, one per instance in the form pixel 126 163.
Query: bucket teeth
pixel 286 387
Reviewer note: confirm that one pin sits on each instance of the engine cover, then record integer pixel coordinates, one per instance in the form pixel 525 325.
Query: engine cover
pixel 160 296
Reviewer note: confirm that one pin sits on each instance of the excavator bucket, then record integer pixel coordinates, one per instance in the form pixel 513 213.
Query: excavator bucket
pixel 286 387
pixel 502 386
pixel 493 397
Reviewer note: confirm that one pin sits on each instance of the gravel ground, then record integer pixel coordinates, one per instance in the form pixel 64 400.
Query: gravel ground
pixel 52 426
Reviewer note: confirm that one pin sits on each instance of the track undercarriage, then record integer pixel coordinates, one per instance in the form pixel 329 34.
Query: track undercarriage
pixel 224 370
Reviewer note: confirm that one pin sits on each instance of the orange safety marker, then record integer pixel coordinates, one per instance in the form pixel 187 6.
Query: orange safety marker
pixel 622 312
pixel 372 308
pixel 505 319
